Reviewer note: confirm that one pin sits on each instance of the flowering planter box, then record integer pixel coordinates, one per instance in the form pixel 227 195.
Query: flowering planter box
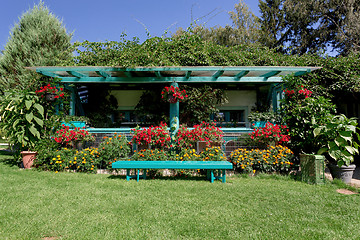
pixel 74 124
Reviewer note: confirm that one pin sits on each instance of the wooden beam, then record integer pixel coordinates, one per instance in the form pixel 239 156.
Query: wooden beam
pixel 49 74
pixel 76 74
pixel 270 74
pixel 240 74
pixel 170 80
pixel 103 74
pixel 158 74
pixel 128 74
pixel 218 73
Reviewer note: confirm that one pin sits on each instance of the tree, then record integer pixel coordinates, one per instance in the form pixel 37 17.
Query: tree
pixel 244 29
pixel 308 26
pixel 38 39
pixel 272 23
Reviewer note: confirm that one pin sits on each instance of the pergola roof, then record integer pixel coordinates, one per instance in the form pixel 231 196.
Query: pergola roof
pixel 202 74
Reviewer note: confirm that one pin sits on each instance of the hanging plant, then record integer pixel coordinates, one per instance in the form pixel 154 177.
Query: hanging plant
pixel 173 94
pixel 50 93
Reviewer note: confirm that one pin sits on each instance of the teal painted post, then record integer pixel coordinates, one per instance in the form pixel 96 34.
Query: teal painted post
pixel 174 117
pixel 212 176
pixel 128 175
pixel 72 102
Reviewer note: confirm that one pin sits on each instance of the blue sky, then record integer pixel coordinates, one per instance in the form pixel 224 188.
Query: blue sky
pixel 107 19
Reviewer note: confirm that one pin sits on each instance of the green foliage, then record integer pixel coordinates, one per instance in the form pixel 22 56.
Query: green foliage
pixel 22 118
pixel 151 155
pixel 202 101
pixel 111 149
pixel 212 154
pixel 302 115
pixel 273 159
pixel 310 26
pixel 270 116
pixel 338 139
pixel 38 39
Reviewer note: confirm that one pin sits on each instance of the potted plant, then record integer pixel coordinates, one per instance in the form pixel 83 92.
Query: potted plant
pixel 339 145
pixel 22 120
pixel 173 94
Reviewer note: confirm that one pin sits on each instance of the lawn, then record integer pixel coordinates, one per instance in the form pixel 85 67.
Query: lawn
pixel 48 205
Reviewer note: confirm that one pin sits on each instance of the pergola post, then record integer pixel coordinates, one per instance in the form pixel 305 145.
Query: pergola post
pixel 174 117
pixel 72 102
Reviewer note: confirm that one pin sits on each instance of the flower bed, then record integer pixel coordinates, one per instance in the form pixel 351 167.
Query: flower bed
pixel 273 159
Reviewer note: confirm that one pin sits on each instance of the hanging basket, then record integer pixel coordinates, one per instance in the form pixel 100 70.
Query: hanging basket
pixel 50 97
pixel 172 99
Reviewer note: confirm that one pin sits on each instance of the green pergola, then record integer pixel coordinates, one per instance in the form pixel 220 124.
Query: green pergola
pixel 173 75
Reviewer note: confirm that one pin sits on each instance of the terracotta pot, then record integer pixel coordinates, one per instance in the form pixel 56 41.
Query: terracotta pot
pixel 28 158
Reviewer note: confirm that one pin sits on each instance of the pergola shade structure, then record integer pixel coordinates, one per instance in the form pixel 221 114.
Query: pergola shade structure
pixel 234 76
pixel 203 74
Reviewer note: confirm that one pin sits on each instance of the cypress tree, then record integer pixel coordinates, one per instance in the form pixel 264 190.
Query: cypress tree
pixel 38 39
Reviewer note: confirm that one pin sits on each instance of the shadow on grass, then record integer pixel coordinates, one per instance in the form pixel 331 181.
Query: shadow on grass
pixel 166 178
pixel 7 157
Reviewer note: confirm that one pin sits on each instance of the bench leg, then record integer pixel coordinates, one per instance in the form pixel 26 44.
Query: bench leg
pixel 128 175
pixel 144 174
pixel 212 176
pixel 223 176
pixel 137 174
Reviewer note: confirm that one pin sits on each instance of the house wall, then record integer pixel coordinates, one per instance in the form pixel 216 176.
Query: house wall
pixel 243 98
pixel 127 99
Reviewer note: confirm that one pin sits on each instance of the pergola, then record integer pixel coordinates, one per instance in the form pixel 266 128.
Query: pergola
pixel 246 75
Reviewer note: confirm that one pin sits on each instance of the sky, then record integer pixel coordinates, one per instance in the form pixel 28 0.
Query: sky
pixel 108 19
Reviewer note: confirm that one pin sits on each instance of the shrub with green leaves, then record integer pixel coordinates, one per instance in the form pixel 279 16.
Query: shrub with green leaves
pixel 338 139
pixel 212 154
pixel 150 155
pixel 274 159
pixel 22 118
pixel 111 149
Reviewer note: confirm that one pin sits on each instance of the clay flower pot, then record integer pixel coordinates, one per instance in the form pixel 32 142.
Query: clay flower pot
pixel 28 158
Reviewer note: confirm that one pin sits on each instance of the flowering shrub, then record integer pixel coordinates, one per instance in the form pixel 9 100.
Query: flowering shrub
pixel 187 154
pixel 111 149
pixel 213 154
pixel 48 89
pixel 59 161
pixel 173 94
pixel 301 93
pixel 66 136
pixel 271 134
pixel 274 159
pixel 206 132
pixel 158 136
pixel 150 155
pixel 79 161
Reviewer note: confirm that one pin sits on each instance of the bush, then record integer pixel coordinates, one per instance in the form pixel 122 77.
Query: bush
pixel 274 159
pixel 111 149
pixel 150 155
pixel 70 159
pixel 157 136
pixel 271 134
pixel 205 132
pixel 213 154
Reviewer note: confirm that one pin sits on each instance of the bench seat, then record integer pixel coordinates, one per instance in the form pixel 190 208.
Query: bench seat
pixel 221 166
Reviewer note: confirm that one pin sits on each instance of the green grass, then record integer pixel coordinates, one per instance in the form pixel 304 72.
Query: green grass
pixel 36 205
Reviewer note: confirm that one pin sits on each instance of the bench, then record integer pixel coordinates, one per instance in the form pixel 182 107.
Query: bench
pixel 210 166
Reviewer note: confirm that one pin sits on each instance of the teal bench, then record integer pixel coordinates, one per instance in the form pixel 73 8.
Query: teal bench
pixel 210 166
